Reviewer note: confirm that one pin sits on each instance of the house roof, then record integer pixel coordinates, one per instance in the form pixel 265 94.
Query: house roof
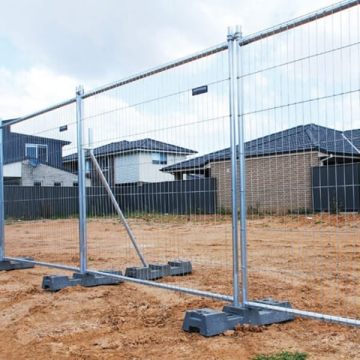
pixel 308 137
pixel 131 146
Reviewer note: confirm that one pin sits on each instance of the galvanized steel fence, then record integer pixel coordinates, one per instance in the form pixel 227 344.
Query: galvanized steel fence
pixel 255 113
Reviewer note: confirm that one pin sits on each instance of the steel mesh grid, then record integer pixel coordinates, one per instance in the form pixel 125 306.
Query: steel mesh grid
pixel 301 111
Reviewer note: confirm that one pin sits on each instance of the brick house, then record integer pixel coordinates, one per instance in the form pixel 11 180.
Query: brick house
pixel 278 167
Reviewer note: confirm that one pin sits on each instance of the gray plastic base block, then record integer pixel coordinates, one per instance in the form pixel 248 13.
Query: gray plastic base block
pixel 163 269
pixel 145 273
pixel 259 316
pixel 58 282
pixel 210 322
pixel 8 265
pixel 180 267
pixel 157 271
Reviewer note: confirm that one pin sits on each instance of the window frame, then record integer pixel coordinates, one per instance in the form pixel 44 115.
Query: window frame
pixel 88 166
pixel 163 160
pixel 37 146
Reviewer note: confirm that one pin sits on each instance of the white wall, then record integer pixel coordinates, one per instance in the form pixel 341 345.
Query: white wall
pixel 150 172
pixel 139 168
pixel 126 168
pixel 47 175
pixel 12 170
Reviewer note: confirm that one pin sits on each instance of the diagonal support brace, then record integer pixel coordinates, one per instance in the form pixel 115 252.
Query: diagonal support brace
pixel 117 207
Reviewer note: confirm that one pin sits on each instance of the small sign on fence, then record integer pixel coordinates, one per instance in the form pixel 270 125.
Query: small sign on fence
pixel 200 90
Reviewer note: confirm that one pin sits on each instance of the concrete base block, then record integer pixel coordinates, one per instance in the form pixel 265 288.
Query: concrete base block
pixel 8 265
pixel 210 322
pixel 58 282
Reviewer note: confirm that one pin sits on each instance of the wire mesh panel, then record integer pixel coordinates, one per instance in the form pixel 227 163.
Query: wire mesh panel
pixel 154 139
pixel 40 193
pixel 301 104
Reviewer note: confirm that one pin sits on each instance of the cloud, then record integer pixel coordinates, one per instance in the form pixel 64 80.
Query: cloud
pixel 103 41
pixel 33 89
pixel 67 43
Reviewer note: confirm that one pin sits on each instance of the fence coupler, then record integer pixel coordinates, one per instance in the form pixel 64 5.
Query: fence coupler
pixel 7 265
pixel 58 282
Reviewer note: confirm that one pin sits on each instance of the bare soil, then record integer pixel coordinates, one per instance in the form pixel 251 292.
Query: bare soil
pixel 312 261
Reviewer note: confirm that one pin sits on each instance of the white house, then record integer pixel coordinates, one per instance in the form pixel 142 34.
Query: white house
pixel 127 162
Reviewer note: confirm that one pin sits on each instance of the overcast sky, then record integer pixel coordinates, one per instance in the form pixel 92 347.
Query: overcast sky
pixel 48 47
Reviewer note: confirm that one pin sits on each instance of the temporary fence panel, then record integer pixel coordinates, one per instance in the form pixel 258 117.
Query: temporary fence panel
pixel 40 222
pixel 153 136
pixel 301 110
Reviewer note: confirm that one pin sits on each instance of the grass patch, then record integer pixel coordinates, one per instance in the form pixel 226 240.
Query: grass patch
pixel 284 355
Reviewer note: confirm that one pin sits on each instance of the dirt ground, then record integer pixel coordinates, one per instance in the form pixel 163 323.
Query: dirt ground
pixel 312 261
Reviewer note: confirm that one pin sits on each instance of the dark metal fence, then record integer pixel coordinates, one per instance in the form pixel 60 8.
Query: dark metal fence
pixel 336 188
pixel 171 197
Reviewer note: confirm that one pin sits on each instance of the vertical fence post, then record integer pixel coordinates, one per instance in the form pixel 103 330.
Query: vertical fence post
pixel 242 166
pixel 81 180
pixel 234 205
pixel 2 215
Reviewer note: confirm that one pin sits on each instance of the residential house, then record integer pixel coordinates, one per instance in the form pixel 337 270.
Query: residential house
pixel 34 160
pixel 128 162
pixel 278 166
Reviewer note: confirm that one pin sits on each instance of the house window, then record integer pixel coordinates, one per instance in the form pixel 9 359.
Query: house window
pixel 87 167
pixel 159 158
pixel 57 183
pixel 37 151
pixel 75 183
pixel 37 183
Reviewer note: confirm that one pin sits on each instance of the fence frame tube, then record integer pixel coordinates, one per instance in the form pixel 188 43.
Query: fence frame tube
pixel 234 197
pixel 2 208
pixel 81 180
pixel 301 20
pixel 242 167
pixel 306 314
pixel 189 291
pixel 216 296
